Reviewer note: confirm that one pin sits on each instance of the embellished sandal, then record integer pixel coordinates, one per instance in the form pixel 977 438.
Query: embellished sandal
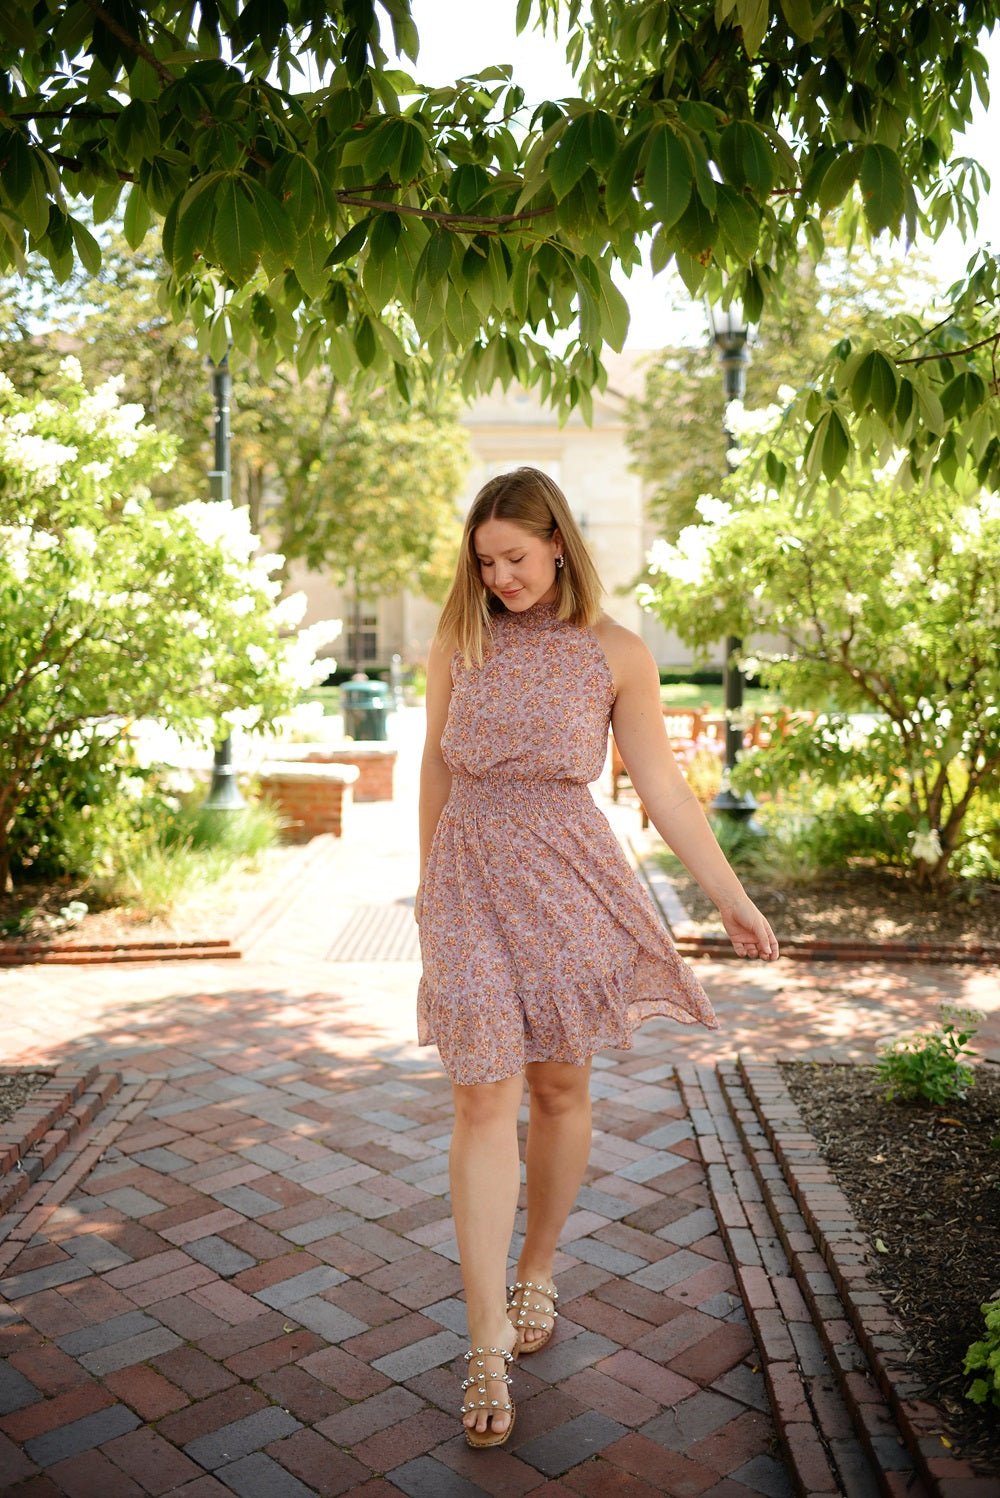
pixel 519 1307
pixel 478 1399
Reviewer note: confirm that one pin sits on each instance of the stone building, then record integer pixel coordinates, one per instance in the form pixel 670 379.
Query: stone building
pixel 591 466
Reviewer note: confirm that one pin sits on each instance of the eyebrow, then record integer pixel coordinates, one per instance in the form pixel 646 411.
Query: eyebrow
pixel 480 557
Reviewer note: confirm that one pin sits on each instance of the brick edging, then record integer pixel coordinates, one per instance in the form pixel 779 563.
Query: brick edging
pixel 843 1248
pixel 694 943
pixel 44 1125
pixel 138 949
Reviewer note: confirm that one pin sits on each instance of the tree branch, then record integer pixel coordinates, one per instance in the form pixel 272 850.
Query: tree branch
pixel 458 219
pixel 954 353
pixel 132 43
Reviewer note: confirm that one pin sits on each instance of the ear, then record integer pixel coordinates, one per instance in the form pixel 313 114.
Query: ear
pixel 557 540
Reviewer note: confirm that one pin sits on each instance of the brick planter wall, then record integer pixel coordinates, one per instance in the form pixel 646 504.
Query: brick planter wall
pixel 374 760
pixel 311 797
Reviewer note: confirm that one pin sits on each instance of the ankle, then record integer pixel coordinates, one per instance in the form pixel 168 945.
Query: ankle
pixel 538 1272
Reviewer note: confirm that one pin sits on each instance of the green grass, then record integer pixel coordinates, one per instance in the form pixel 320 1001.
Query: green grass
pixel 192 853
pixel 688 694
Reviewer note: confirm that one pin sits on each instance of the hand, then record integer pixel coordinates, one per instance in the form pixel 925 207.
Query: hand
pixel 417 903
pixel 749 931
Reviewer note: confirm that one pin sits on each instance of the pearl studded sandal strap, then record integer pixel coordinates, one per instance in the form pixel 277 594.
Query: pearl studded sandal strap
pixel 481 1399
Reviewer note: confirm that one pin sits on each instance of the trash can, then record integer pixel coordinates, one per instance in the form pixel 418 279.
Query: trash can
pixel 365 705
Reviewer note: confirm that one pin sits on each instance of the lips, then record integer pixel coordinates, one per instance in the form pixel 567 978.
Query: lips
pixel 511 595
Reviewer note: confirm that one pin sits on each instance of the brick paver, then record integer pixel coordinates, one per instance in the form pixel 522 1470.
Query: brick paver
pixel 250 1283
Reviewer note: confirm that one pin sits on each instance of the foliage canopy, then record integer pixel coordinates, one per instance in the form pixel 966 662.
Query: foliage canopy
pixel 364 216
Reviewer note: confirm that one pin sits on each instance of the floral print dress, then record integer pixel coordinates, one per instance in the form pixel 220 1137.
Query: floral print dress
pixel 539 942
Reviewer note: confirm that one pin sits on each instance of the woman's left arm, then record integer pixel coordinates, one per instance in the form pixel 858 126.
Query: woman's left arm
pixel 641 736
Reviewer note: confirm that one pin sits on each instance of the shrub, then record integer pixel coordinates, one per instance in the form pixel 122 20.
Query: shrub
pixel 114 610
pixel 985 1355
pixel 884 594
pixel 928 1065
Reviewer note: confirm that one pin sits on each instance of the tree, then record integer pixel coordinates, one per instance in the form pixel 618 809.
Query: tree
pixel 675 429
pixel 892 606
pixel 114 609
pixel 368 217
pixel 371 493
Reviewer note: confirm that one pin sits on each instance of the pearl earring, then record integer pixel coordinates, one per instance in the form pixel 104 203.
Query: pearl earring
pixel 560 563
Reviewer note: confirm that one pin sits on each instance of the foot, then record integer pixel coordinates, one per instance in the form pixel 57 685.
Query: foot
pixel 532 1308
pixel 487 1408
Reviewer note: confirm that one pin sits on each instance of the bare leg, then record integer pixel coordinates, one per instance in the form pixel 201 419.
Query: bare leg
pixel 559 1134
pixel 485 1178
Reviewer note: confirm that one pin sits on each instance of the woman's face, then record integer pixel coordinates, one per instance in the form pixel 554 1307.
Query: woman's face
pixel 515 565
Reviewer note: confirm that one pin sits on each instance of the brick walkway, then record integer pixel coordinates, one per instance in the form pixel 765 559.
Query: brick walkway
pixel 242 1277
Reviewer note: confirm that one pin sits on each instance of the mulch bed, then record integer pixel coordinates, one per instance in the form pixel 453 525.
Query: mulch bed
pixel 924 1181
pixel 209 913
pixel 861 903
pixel 16 1088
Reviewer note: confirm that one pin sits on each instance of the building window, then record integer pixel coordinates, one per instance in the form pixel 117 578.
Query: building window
pixel 361 644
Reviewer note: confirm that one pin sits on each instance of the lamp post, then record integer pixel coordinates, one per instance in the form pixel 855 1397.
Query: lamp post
pixel 224 793
pixel 730 334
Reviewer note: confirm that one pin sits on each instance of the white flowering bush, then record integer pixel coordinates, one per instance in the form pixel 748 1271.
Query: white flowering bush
pixel 887 600
pixel 114 610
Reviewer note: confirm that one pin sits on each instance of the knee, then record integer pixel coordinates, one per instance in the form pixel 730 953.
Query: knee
pixel 488 1105
pixel 561 1092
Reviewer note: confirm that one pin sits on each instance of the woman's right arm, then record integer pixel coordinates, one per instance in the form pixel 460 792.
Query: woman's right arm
pixel 435 777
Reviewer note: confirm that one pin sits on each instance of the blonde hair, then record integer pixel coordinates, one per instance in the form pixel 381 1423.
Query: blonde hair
pixel 528 498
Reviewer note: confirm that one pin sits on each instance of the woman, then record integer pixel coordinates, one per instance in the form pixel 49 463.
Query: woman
pixel 540 946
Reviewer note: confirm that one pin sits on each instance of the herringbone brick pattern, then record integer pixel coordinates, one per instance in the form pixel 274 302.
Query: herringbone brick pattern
pixel 255 1291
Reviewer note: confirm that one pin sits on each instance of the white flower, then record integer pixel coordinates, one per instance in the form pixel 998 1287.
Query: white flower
pixel 15 543
pixel 257 656
pixel 927 845
pixel 71 369
pixel 221 525
pixel 83 539
pixel 712 510
pixel 287 613
pixel 41 457
pixel 243 717
pixel 243 606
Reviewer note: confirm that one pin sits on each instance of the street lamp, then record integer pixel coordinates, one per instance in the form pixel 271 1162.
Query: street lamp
pixel 224 793
pixel 730 334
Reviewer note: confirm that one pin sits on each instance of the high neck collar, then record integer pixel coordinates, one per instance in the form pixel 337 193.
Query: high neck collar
pixel 538 616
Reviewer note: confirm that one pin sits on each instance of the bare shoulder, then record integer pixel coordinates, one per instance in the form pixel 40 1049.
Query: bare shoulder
pixel 628 656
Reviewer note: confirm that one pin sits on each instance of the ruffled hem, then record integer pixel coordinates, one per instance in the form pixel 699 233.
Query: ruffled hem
pixel 568 1025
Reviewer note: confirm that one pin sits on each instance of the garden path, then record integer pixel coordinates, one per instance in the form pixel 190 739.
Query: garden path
pixel 242 1277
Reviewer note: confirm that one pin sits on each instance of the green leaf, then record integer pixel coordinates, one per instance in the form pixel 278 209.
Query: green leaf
pixel 237 236
pixel 193 232
pixel 620 189
pixel 747 158
pixel 882 188
pixel 739 223
pixel 439 253
pixel 138 217
pixel 17 173
pixel 385 145
pixel 364 342
pixel 837 175
pixel 836 446
pixel 352 242
pixel 696 230
pixel 87 247
pixel 278 228
pixel 753 17
pixel 106 200
pixel 603 140
pixel 776 469
pixel 571 156
pixel 799 16
pixel 668 177
pixel 874 383
pixel 691 271
pixel 411 152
